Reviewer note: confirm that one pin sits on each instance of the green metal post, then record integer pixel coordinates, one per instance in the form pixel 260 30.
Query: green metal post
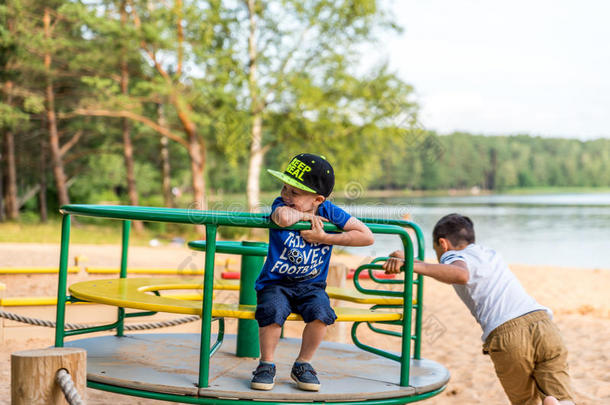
pixel 62 281
pixel 206 310
pixel 405 362
pixel 125 248
pixel 247 330
pixel 123 274
pixel 419 313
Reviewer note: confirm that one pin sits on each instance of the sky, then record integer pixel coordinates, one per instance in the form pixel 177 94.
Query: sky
pixel 536 67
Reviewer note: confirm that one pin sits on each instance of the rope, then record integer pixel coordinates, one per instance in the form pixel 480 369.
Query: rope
pixel 34 321
pixel 69 326
pixel 64 380
pixel 162 324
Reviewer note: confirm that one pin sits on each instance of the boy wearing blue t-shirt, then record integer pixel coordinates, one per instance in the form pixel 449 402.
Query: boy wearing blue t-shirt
pixel 293 278
pixel 525 346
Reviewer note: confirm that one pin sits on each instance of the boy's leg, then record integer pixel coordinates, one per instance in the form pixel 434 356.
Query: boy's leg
pixel 302 372
pixel 530 359
pixel 312 302
pixel 269 337
pixel 551 359
pixel 263 378
pixel 313 334
pixel 272 309
pixel 512 357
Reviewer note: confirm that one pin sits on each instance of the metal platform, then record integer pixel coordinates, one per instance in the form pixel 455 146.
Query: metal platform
pixel 168 363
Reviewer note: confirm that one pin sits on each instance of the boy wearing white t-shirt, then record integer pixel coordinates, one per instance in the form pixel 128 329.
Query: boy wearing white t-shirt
pixel 525 346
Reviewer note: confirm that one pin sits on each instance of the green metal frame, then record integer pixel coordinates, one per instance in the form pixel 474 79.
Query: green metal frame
pixel 212 220
pixel 252 258
pixel 370 267
pixel 220 401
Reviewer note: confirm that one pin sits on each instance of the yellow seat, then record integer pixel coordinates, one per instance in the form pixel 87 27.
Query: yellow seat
pixel 338 293
pixel 344 314
pixel 348 294
pixel 136 293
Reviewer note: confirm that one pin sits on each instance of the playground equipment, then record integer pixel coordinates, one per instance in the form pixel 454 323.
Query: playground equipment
pixel 191 368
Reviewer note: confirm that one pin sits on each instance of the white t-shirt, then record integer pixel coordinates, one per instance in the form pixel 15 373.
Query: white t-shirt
pixel 493 294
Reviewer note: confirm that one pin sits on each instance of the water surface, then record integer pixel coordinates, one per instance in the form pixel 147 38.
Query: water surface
pixel 560 229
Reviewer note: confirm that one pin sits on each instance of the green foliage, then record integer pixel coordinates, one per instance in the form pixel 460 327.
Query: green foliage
pixel 10 116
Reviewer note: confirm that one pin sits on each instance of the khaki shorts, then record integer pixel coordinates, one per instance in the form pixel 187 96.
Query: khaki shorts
pixel 530 359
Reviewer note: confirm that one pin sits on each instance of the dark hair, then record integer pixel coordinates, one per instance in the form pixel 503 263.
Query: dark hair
pixel 455 227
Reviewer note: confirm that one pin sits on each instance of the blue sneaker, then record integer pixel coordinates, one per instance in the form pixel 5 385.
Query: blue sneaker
pixel 305 377
pixel 263 377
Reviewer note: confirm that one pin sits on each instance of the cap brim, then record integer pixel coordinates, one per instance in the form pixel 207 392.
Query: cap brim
pixel 289 180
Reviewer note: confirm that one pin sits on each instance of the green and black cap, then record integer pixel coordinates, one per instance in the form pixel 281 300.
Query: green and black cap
pixel 308 172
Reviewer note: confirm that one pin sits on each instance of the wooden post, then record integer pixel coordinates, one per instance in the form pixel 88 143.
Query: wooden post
pixel 33 375
pixel 337 273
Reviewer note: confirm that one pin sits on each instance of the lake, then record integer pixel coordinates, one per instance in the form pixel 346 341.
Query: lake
pixel 552 229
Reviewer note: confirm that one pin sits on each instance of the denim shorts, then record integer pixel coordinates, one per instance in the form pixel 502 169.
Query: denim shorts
pixel 276 301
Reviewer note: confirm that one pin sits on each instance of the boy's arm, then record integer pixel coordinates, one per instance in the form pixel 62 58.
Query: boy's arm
pixel 285 216
pixel 454 273
pixel 355 234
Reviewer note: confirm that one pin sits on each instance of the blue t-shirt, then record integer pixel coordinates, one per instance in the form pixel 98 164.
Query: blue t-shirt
pixel 291 259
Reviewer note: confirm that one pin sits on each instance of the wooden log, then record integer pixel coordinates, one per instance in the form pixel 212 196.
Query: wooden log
pixel 33 375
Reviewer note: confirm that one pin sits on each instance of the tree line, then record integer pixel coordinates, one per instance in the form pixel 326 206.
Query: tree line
pixel 497 163
pixel 183 94
pixel 143 101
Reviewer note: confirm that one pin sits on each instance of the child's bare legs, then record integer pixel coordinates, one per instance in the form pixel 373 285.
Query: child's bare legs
pixel 312 337
pixel 269 337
